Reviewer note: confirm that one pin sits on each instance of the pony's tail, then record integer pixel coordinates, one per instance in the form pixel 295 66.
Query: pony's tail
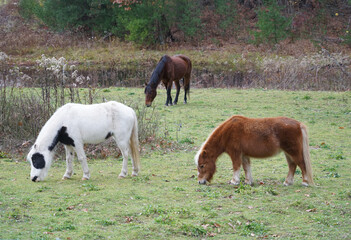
pixel 306 154
pixel 134 146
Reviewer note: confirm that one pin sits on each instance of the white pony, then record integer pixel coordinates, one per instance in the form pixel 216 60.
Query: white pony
pixel 76 124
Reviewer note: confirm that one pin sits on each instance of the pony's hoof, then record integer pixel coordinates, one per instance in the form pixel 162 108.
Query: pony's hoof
pixel 287 184
pixel 174 103
pixel 304 184
pixel 85 179
pixel 249 183
pixel 185 102
pixel 65 178
pixel 121 177
pixel 231 182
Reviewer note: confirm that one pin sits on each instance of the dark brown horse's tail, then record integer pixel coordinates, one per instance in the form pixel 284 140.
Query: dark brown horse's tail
pixel 306 155
pixel 187 74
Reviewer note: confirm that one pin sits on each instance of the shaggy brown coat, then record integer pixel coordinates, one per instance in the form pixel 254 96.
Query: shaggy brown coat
pixel 243 137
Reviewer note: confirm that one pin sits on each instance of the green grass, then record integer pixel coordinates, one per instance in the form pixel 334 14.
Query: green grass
pixel 166 202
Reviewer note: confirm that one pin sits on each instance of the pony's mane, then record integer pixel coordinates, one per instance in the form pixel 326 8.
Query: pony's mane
pixel 196 158
pixel 47 137
pixel 155 77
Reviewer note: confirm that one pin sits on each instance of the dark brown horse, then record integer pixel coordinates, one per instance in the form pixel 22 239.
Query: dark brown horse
pixel 243 138
pixel 169 70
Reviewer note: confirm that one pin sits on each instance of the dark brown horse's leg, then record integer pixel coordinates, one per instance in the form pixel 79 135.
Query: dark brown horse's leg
pixel 169 97
pixel 186 86
pixel 186 90
pixel 178 90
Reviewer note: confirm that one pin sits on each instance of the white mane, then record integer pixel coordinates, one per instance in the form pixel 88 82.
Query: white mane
pixel 49 130
pixel 196 158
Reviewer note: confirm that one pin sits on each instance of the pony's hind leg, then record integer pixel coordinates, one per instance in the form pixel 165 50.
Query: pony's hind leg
pixel 177 93
pixel 69 158
pixel 247 168
pixel 83 160
pixel 135 169
pixel 123 146
pixel 300 162
pixel 292 167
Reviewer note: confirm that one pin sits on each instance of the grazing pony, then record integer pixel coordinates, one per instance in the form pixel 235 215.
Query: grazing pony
pixel 243 138
pixel 169 70
pixel 76 124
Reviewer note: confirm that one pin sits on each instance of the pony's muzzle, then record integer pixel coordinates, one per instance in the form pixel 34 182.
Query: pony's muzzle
pixel 35 179
pixel 202 181
pixel 148 104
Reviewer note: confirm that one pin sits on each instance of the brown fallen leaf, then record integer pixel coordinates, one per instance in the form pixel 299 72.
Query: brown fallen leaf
pixel 216 225
pixel 311 210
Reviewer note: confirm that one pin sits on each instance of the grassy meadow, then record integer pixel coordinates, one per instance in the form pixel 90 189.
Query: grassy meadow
pixel 166 202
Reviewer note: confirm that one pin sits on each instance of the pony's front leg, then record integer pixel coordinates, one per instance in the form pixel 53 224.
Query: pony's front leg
pixel 69 158
pixel 236 169
pixel 169 97
pixel 83 160
pixel 247 168
pixel 177 94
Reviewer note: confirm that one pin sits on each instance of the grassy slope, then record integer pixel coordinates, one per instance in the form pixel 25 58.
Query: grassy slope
pixel 166 202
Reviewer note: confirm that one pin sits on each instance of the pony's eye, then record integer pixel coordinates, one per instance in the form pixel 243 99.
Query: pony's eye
pixel 202 166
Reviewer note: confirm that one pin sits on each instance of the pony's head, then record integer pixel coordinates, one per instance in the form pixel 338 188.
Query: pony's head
pixel 40 162
pixel 150 94
pixel 206 166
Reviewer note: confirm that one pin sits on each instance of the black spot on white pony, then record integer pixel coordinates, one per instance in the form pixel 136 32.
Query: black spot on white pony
pixel 62 137
pixel 38 161
pixel 109 135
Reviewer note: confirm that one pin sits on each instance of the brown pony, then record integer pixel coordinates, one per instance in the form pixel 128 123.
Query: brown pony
pixel 169 70
pixel 243 138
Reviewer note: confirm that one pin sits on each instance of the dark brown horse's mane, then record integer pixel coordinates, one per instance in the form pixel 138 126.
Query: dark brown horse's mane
pixel 156 74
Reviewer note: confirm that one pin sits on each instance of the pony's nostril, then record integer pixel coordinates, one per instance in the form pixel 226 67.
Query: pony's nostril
pixel 34 179
pixel 202 181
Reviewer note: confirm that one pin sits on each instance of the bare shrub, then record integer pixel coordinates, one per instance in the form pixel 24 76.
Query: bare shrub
pixel 25 110
pixel 320 71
